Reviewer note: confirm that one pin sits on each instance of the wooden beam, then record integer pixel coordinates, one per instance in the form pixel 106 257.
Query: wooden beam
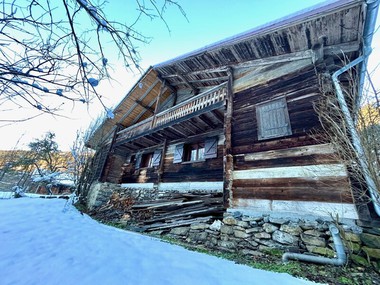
pixel 228 161
pixel 195 123
pixel 166 83
pixel 295 56
pixel 146 140
pixel 184 129
pixel 217 116
pixel 195 90
pixel 290 152
pixel 141 98
pixel 142 113
pixel 218 78
pixel 245 79
pixel 171 88
pixel 166 134
pixel 317 48
pixel 145 107
pixel 160 170
pixel 192 127
pixel 206 120
pixel 171 134
pixel 197 137
pixel 341 49
pixel 162 90
pixel 176 129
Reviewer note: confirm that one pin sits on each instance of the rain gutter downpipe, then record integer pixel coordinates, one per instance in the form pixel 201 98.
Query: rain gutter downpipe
pixel 339 249
pixel 368 31
pixel 369 26
pixel 354 134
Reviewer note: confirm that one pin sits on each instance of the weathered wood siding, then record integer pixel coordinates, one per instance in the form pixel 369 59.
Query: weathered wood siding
pixel 113 169
pixel 141 175
pixel 292 168
pixel 202 171
pixel 208 170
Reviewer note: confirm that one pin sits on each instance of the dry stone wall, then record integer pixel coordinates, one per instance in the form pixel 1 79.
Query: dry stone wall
pixel 254 235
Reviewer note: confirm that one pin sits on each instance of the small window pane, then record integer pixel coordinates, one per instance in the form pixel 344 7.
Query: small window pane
pixel 194 152
pixel 201 153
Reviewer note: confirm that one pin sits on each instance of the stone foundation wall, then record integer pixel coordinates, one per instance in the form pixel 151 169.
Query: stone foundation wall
pixel 255 235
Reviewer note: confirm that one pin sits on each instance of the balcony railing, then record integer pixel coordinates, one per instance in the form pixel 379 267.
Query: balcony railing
pixel 188 107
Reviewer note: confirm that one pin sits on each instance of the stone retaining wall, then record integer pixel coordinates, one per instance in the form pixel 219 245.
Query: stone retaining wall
pixel 255 235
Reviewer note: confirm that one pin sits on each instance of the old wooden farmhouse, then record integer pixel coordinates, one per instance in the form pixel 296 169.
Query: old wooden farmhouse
pixel 238 117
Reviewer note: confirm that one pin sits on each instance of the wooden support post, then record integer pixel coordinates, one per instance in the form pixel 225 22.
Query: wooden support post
pixel 318 52
pixel 104 171
pixel 171 87
pixel 228 162
pixel 162 90
pixel 118 128
pixel 160 170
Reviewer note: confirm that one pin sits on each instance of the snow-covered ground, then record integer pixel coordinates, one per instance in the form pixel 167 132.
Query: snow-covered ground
pixel 42 244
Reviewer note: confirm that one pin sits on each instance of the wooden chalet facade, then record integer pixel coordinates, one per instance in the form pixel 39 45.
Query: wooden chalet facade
pixel 238 117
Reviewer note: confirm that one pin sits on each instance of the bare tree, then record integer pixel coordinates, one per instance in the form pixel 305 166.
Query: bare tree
pixel 60 49
pixel 82 166
pixel 367 124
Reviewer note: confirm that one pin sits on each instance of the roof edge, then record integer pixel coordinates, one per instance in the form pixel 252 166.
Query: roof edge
pixel 297 16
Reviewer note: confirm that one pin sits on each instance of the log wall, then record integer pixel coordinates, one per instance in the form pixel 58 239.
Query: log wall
pixel 292 168
pixel 202 171
pixel 113 169
pixel 208 170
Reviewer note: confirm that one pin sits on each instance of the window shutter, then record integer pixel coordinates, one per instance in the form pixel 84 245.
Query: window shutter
pixel 157 157
pixel 178 153
pixel 211 148
pixel 273 119
pixel 138 161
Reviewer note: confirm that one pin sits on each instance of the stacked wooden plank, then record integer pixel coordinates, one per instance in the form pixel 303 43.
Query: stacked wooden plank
pixel 169 211
pixel 179 210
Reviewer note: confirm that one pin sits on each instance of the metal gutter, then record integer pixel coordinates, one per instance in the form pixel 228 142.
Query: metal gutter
pixel 354 134
pixel 369 29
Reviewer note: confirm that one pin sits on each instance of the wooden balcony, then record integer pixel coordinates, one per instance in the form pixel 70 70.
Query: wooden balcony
pixel 202 104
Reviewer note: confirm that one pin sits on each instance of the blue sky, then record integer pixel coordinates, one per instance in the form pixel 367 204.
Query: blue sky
pixel 207 22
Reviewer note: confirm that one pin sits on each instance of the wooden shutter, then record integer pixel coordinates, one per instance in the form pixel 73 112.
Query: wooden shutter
pixel 138 161
pixel 273 119
pixel 211 147
pixel 157 157
pixel 178 153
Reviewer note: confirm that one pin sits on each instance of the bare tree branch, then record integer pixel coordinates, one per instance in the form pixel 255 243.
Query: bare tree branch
pixel 57 51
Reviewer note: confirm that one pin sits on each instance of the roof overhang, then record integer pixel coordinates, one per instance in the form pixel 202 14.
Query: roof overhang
pixel 334 28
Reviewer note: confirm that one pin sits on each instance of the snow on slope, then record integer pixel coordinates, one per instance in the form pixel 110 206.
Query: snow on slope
pixel 41 244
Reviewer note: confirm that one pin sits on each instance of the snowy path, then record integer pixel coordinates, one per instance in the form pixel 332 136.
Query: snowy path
pixel 39 244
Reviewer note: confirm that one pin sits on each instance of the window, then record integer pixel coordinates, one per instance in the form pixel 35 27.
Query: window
pixel 148 159
pixel 196 151
pixel 273 119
